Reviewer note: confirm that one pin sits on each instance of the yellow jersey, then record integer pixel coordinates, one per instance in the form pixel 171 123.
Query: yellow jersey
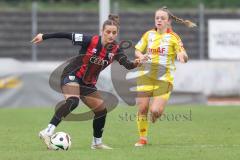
pixel 162 50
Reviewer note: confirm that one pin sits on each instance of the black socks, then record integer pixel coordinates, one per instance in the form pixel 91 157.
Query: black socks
pixel 66 108
pixel 99 123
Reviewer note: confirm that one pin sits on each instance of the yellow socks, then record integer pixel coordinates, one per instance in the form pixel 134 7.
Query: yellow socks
pixel 142 123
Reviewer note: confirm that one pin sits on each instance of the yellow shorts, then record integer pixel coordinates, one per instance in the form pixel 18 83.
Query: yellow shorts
pixel 158 88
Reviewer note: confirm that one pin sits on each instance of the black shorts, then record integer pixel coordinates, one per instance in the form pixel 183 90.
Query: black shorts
pixel 85 89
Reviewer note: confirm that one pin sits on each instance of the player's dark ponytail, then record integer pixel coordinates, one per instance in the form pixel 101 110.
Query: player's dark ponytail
pixel 186 22
pixel 112 20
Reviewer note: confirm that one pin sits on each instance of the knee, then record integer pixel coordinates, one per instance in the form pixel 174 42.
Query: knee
pixel 63 109
pixel 142 108
pixel 73 102
pixel 100 112
pixel 156 112
pixel 143 111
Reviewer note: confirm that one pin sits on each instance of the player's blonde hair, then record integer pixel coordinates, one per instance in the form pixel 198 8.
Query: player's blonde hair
pixel 187 23
pixel 112 20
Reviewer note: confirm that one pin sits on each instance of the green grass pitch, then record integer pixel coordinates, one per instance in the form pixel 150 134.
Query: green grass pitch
pixel 185 132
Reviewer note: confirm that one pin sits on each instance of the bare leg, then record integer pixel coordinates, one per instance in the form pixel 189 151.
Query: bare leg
pixel 95 102
pixel 157 108
pixel 143 100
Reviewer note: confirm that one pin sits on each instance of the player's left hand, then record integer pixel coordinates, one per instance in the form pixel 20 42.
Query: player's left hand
pixel 182 57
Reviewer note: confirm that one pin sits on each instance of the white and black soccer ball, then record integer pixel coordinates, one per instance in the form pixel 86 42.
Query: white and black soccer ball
pixel 60 141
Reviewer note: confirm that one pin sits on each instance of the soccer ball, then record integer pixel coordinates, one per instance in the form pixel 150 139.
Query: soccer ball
pixel 60 141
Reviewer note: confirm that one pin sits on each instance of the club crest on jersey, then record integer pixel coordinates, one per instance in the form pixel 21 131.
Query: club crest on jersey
pixel 94 50
pixel 110 56
pixel 164 41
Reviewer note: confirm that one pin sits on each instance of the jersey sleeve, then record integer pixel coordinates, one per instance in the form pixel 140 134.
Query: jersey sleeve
pixel 123 60
pixel 178 45
pixel 77 38
pixel 57 35
pixel 80 39
pixel 142 44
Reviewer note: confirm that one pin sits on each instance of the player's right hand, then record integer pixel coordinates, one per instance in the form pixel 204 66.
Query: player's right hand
pixel 37 39
pixel 137 62
pixel 144 58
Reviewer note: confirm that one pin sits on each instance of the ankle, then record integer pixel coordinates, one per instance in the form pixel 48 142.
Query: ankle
pixel 96 141
pixel 50 129
pixel 143 138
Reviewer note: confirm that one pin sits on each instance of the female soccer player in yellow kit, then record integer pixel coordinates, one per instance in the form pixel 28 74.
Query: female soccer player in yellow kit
pixel 158 48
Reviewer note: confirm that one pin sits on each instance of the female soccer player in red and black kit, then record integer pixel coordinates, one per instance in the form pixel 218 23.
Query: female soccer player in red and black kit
pixel 98 52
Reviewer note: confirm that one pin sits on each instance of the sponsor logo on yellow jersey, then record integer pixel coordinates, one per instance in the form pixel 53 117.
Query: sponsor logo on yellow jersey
pixel 158 50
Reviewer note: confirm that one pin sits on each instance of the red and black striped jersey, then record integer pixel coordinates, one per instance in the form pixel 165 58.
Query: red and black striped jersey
pixel 93 56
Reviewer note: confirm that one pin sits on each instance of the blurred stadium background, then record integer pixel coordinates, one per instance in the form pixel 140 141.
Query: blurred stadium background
pixel 211 77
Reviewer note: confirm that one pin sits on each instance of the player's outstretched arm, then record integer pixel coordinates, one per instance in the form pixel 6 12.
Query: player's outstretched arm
pixel 40 37
pixel 123 60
